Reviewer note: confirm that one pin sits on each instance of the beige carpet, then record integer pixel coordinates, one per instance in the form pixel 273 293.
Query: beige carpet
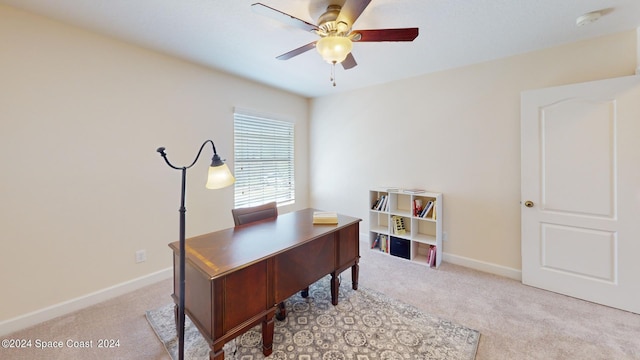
pixel 516 321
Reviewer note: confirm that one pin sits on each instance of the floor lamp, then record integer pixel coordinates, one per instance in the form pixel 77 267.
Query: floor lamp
pixel 219 177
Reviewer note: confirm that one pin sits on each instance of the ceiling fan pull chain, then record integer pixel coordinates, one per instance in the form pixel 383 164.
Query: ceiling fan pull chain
pixel 333 73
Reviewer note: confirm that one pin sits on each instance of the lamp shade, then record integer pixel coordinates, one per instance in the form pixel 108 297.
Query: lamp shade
pixel 219 176
pixel 334 49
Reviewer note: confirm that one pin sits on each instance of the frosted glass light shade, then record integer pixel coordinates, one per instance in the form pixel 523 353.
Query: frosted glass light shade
pixel 219 177
pixel 334 48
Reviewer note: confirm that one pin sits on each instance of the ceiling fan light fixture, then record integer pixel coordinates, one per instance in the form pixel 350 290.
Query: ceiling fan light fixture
pixel 334 49
pixel 342 27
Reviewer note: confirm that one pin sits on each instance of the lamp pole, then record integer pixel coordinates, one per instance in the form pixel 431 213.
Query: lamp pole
pixel 219 177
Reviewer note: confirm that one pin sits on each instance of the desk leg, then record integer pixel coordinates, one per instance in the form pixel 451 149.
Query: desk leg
pixel 355 269
pixel 267 334
pixel 335 285
pixel 175 318
pixel 217 352
pixel 281 313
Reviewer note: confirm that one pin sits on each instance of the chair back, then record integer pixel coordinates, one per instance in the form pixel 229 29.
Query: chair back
pixel 247 215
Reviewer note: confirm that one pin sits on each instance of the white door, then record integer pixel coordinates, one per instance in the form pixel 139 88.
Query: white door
pixel 581 191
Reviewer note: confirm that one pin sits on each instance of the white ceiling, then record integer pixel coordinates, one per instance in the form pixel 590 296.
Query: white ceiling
pixel 227 35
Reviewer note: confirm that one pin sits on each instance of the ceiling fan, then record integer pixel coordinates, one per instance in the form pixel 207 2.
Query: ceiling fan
pixel 336 33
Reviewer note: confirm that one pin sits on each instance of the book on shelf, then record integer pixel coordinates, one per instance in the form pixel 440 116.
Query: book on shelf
pixel 417 206
pixel 325 217
pixel 433 211
pixel 375 204
pixel 426 210
pixel 381 242
pixel 381 204
pixel 412 191
pixel 385 203
pixel 376 242
pixel 431 256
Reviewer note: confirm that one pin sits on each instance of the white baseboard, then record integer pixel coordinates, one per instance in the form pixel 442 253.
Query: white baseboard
pixel 468 262
pixel 24 321
pixel 483 266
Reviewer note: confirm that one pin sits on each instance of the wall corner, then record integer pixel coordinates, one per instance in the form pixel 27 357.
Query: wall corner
pixel 638 51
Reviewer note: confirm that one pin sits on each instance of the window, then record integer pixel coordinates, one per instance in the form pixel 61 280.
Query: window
pixel 263 150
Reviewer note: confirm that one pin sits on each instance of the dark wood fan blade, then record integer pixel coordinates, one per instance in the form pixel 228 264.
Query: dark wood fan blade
pixel 352 10
pixel 296 52
pixel 407 34
pixel 263 9
pixel 349 62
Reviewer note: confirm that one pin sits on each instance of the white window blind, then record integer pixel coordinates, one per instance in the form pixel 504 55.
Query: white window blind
pixel 263 158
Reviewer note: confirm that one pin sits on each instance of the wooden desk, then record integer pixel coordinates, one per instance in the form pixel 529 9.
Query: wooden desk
pixel 236 277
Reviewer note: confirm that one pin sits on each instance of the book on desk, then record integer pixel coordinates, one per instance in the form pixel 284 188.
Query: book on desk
pixel 325 217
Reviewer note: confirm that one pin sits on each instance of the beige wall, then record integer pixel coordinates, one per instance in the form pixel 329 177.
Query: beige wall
pixel 455 132
pixel 82 186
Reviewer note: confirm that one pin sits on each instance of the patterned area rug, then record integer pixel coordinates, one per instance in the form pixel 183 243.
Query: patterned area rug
pixel 366 325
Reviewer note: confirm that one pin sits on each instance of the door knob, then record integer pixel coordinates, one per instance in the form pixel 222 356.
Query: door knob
pixel 528 203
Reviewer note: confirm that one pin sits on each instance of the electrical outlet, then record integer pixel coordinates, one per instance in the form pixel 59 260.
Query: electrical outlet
pixel 141 256
pixel 444 236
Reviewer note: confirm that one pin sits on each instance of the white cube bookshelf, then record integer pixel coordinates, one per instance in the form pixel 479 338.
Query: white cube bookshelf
pixel 420 232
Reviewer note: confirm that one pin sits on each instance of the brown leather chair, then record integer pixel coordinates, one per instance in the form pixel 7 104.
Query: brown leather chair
pixel 248 215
